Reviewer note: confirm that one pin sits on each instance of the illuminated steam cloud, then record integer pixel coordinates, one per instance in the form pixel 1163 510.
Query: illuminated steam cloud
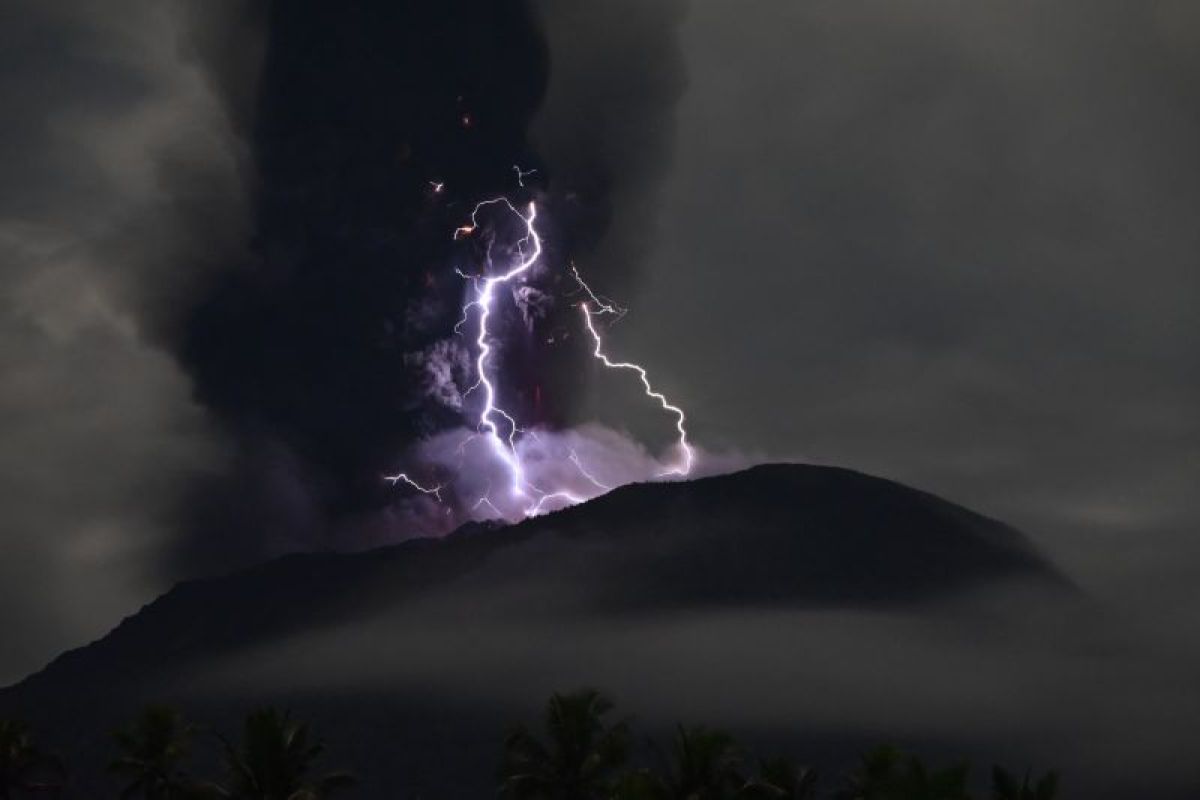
pixel 497 469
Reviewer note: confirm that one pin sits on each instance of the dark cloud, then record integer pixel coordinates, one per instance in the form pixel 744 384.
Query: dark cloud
pixel 229 206
pixel 359 108
pixel 376 129
pixel 951 243
pixel 608 126
pixel 115 156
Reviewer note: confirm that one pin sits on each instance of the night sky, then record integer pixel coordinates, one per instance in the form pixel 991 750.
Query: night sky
pixel 949 243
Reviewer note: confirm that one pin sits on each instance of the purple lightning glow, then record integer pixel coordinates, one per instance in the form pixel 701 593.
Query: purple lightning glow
pixel 506 451
pixel 687 455
pixel 510 447
pixel 403 477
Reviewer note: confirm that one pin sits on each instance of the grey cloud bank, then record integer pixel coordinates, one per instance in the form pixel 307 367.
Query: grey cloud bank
pixel 121 190
pixel 953 244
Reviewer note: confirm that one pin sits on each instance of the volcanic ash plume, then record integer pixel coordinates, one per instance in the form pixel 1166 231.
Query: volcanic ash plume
pixel 498 468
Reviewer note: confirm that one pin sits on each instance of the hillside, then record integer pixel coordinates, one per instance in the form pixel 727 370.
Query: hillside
pixel 434 643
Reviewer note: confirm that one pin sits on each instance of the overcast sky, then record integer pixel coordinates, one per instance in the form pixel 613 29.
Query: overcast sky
pixel 98 435
pixel 954 244
pixel 951 243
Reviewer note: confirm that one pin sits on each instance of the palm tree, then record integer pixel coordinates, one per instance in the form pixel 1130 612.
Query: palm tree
pixel 706 765
pixel 1005 786
pixel 889 774
pixel 640 784
pixel 876 772
pixel 578 757
pixel 153 748
pixel 274 759
pixel 781 779
pixel 22 765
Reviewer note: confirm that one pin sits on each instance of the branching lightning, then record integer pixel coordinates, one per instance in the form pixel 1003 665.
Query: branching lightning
pixel 687 455
pixel 592 479
pixel 402 477
pixel 522 174
pixel 505 449
pixel 498 426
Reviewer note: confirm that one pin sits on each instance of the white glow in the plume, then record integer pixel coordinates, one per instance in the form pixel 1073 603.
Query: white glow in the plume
pixel 540 471
pixel 505 450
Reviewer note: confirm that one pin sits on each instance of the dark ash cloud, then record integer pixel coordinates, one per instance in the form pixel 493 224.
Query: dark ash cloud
pixel 121 190
pixel 225 253
pixel 319 357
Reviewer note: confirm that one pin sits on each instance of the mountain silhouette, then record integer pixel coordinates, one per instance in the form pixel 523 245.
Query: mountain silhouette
pixel 771 538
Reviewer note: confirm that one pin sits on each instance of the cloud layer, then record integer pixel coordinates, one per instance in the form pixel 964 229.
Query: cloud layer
pixel 121 191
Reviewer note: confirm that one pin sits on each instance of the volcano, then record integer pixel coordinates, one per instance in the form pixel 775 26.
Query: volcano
pixel 411 658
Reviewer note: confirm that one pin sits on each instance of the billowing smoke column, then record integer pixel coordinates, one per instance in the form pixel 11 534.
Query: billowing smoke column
pixel 324 343
pixel 529 463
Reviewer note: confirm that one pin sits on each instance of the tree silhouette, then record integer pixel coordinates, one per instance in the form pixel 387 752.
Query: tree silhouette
pixel 274 760
pixel 641 784
pixel 23 766
pixel 706 764
pixel 889 774
pixel 577 759
pixel 781 779
pixel 152 751
pixel 1005 786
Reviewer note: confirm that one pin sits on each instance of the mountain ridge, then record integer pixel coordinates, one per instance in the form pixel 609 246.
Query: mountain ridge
pixel 439 642
pixel 610 511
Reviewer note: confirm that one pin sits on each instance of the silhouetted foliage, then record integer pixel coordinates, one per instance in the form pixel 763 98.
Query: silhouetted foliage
pixel 274 759
pixel 889 774
pixel 709 764
pixel 1005 786
pixel 705 765
pixel 578 758
pixel 782 779
pixel 153 749
pixel 641 784
pixel 23 766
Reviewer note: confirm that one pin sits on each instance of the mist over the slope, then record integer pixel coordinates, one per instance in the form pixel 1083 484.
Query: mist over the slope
pixel 1000 674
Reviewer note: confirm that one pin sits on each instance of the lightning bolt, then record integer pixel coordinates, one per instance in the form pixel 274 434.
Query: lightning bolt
pixel 522 174
pixel 402 477
pixel 496 425
pixel 604 305
pixel 687 455
pixel 604 487
pixel 570 498
pixel 505 448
